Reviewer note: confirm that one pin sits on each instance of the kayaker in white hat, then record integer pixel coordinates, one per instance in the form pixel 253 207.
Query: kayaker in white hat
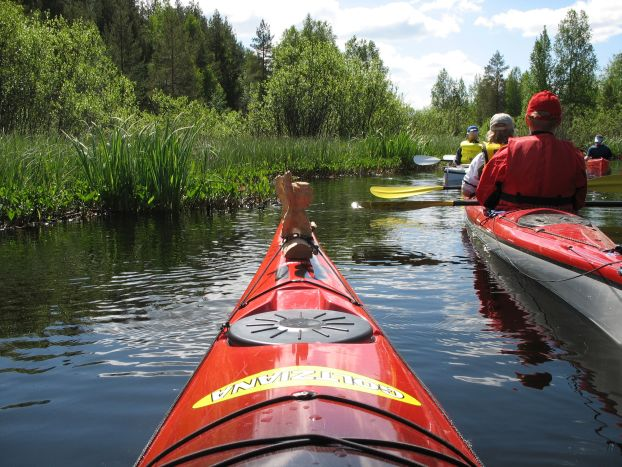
pixel 538 170
pixel 501 129
pixel 599 150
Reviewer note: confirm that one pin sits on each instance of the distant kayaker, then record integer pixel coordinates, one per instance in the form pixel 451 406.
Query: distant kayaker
pixel 538 170
pixel 599 150
pixel 469 148
pixel 501 128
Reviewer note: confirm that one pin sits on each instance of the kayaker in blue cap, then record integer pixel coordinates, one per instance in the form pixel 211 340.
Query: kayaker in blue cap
pixel 470 147
pixel 598 149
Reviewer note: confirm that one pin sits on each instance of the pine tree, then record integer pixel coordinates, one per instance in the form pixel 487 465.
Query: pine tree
pixel 262 44
pixel 541 64
pixel 574 72
pixel 513 94
pixel 493 75
pixel 172 66
pixel 225 57
pixel 121 31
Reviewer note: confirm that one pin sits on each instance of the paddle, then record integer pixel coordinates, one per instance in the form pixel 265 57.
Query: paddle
pixel 608 184
pixel 411 205
pixel 431 160
pixel 394 192
pixel 426 160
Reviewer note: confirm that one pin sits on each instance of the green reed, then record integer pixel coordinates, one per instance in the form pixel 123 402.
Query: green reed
pixel 138 167
pixel 37 178
pixel 131 168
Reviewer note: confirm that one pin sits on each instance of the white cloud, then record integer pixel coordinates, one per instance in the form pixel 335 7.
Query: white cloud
pixel 398 26
pixel 459 6
pixel 416 76
pixel 279 14
pixel 605 17
pixel 392 20
pixel 386 24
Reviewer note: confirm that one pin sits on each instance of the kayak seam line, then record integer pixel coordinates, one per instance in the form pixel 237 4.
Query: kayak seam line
pixel 583 273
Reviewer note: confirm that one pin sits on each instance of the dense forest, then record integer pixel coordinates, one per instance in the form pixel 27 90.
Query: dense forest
pixel 127 105
pixel 70 63
pixel 66 63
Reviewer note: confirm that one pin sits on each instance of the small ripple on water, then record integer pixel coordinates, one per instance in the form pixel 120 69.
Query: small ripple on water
pixel 496 380
pixel 146 374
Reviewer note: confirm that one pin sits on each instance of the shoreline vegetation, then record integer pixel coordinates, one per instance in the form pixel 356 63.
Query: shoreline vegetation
pixel 139 106
pixel 160 168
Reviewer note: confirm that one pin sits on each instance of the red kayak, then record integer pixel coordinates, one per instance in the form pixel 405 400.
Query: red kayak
pixel 563 252
pixel 597 167
pixel 302 375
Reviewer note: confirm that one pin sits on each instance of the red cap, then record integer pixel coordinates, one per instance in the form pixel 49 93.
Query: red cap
pixel 544 105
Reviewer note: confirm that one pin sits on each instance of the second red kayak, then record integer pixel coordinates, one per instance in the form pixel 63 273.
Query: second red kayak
pixel 302 375
pixel 563 252
pixel 597 167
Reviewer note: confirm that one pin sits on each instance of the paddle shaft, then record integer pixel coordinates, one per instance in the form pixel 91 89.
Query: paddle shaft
pixel 412 204
pixel 610 183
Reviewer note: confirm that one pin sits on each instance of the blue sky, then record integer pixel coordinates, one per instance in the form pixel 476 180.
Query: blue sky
pixel 418 38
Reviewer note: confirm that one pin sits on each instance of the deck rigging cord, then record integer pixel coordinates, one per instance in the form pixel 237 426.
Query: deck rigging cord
pixel 305 396
pixel 507 258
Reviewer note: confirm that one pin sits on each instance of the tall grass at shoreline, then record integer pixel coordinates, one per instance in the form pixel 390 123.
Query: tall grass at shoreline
pixel 134 167
pixel 38 179
pixel 129 169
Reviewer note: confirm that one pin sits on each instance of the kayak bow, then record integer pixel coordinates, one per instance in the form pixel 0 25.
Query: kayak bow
pixel 302 374
pixel 562 251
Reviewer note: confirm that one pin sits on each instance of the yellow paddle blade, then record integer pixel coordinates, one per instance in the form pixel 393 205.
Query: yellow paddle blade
pixel 609 184
pixel 394 192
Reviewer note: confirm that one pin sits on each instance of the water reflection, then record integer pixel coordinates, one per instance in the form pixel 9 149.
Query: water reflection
pixel 387 255
pixel 101 323
pixel 547 329
pixel 507 317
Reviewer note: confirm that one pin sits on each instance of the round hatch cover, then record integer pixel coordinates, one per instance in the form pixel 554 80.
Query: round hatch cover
pixel 298 326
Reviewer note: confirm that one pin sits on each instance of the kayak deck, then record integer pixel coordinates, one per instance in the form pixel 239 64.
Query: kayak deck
pixel 302 374
pixel 563 252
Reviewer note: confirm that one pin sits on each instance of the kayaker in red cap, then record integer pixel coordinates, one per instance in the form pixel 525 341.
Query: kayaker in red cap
pixel 538 170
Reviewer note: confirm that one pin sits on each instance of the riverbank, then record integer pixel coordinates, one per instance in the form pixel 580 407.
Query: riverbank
pixel 46 179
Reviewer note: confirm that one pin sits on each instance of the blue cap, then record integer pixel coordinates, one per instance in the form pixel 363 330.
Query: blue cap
pixel 472 128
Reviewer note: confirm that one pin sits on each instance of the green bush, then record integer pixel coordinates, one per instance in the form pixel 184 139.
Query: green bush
pixel 55 75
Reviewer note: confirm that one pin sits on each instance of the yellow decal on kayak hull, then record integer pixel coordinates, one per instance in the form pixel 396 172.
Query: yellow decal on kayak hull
pixel 304 376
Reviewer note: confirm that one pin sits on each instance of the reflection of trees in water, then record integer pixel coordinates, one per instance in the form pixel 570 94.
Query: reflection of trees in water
pixel 55 276
pixel 387 255
pixel 548 329
pixel 511 320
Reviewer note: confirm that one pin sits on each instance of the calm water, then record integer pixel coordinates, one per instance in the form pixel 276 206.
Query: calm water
pixel 102 323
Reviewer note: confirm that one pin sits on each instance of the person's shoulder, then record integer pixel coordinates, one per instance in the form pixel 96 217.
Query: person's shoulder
pixel 479 159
